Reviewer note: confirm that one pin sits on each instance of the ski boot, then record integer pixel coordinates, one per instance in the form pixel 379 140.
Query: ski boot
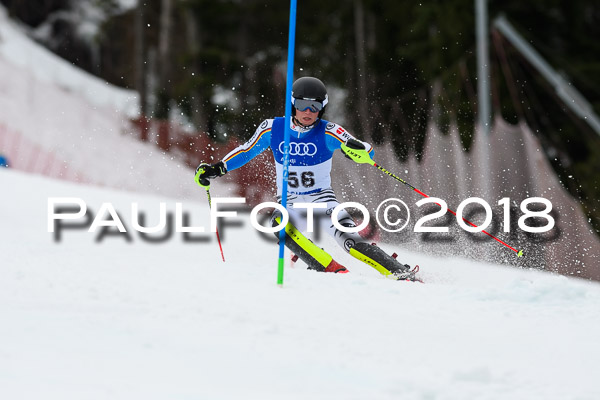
pixel 387 265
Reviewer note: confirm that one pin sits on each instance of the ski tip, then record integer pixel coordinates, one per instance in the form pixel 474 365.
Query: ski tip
pixel 407 275
pixel 520 253
pixel 416 279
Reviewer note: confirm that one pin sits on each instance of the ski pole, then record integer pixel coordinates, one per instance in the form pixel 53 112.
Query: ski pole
pixel 205 183
pixel 216 228
pixel 361 156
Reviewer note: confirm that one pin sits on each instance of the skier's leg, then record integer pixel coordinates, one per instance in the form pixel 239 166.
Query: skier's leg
pixel 346 240
pixel 360 249
pixel 315 257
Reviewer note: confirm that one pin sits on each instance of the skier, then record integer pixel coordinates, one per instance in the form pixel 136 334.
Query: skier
pixel 312 144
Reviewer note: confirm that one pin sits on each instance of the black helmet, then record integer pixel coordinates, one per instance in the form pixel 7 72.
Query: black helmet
pixel 312 94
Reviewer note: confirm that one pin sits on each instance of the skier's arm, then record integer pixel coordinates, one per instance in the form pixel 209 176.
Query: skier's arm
pixel 237 157
pixel 337 136
pixel 258 143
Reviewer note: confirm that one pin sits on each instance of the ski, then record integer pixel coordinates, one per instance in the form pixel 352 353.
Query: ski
pixel 338 268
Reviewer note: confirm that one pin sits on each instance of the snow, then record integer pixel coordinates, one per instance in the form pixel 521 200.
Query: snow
pixel 126 320
pixel 58 120
pixel 120 317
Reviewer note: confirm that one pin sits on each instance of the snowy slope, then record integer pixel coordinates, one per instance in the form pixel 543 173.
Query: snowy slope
pixel 136 320
pixel 47 67
pixel 60 121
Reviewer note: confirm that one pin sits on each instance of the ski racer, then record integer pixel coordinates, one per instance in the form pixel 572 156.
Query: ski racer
pixel 312 144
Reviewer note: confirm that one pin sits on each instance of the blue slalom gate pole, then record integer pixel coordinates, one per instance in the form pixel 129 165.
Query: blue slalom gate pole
pixel 287 133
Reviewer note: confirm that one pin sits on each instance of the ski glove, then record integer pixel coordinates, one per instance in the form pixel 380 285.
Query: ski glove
pixel 356 151
pixel 205 172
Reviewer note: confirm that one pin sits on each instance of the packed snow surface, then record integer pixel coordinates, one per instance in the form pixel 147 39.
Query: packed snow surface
pixel 103 317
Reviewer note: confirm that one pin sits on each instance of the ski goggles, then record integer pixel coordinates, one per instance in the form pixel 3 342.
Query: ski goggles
pixel 303 105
